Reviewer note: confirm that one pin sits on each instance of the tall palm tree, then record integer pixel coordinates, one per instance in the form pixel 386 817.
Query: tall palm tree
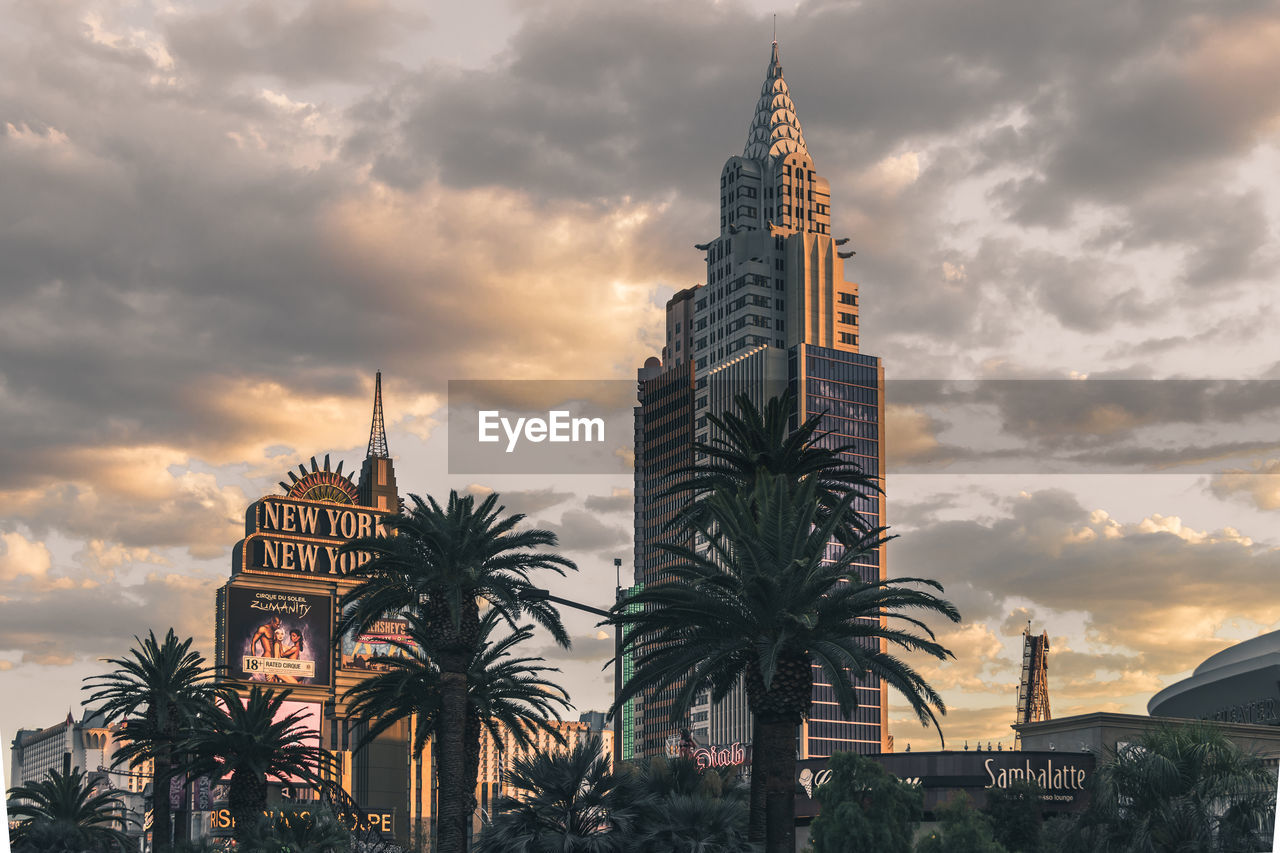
pixel 1180 788
pixel 567 802
pixel 748 442
pixel 502 691
pixel 63 813
pixel 763 602
pixel 442 562
pixel 157 690
pixel 251 740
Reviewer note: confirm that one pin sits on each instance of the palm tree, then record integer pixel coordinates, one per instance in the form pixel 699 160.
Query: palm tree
pixel 64 813
pixel 760 605
pixel 1180 788
pixel 567 801
pixel 302 830
pixel 749 442
pixel 688 809
pixel 251 740
pixel 157 690
pixel 442 562
pixel 502 691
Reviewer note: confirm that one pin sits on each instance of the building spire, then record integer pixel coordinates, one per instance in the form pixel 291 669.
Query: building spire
pixel 378 432
pixel 775 130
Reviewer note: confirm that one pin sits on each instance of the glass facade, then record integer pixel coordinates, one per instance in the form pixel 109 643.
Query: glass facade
pixel 846 389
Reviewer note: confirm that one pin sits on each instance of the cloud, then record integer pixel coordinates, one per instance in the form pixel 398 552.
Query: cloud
pixel 524 501
pixel 22 556
pixel 581 531
pixel 63 624
pixel 1142 586
pixel 299 42
pixel 587 648
pixel 1259 486
pixel 622 500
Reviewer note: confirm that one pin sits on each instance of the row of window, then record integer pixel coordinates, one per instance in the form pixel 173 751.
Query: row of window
pixel 840 371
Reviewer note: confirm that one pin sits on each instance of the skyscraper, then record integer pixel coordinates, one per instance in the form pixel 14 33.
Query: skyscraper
pixel 775 312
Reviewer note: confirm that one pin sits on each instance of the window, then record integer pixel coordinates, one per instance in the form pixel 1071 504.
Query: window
pixel 780 284
pixel 846 318
pixel 849 298
pixel 847 338
pixel 677 327
pixel 780 325
pixel 777 303
pixel 748 192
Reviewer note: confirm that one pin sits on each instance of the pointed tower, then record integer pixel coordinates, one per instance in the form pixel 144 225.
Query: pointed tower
pixel 775 130
pixel 377 476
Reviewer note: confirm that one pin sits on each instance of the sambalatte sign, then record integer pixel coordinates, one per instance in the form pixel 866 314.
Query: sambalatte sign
pixel 1061 776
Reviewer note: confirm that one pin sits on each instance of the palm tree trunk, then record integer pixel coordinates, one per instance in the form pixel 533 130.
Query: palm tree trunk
pixel 755 817
pixel 453 796
pixel 161 817
pixel 471 766
pixel 247 800
pixel 774 759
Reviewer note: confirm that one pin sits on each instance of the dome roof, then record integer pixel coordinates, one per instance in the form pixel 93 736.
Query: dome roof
pixel 1267 644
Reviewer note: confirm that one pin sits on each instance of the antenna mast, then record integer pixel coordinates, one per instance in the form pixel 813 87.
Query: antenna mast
pixel 378 432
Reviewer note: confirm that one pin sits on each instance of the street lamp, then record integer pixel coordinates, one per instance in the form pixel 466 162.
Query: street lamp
pixel 536 594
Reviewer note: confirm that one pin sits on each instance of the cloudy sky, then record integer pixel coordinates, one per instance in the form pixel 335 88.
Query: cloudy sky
pixel 218 219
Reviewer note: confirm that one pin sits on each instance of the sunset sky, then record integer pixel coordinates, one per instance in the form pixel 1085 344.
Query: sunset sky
pixel 218 219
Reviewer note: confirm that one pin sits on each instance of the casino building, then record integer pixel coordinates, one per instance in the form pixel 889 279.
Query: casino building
pixel 275 624
pixel 775 312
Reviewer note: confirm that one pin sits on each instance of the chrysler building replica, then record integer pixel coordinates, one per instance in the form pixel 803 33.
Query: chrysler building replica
pixel 775 312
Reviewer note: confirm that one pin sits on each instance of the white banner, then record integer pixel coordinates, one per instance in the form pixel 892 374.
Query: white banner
pixel 280 666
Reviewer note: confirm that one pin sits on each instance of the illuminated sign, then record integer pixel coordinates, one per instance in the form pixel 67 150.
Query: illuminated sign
pixel 721 756
pixel 223 824
pixel 1048 777
pixel 290 535
pixel 321 484
pixel 385 638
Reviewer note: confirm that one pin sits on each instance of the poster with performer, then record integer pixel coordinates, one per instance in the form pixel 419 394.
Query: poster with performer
pixel 279 636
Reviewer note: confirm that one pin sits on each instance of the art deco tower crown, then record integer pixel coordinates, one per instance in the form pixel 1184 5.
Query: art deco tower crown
pixel 775 129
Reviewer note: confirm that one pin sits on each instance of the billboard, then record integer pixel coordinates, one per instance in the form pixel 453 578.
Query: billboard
pixel 279 636
pixel 360 652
